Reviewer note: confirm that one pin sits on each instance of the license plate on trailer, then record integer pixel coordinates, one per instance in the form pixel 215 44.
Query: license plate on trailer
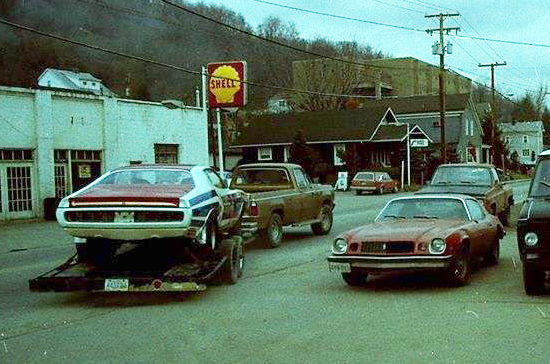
pixel 116 284
pixel 339 267
pixel 124 216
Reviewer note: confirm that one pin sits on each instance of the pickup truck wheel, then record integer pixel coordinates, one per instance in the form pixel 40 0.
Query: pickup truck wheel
pixel 274 232
pixel 533 281
pixel 494 252
pixel 323 227
pixel 354 279
pixel 232 267
pixel 461 269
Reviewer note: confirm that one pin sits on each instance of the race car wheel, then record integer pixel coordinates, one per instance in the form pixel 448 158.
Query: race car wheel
pixel 208 235
pixel 354 279
pixel 461 269
pixel 533 281
pixel 231 269
pixel 323 227
pixel 274 231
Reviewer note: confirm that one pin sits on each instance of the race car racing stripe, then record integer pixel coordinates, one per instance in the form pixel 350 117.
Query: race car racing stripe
pixel 203 210
pixel 200 198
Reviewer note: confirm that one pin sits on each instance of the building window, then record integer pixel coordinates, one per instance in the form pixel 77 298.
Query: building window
pixel 264 154
pixel 436 124
pixel 86 155
pixel 338 148
pixel 282 103
pixel 166 153
pixel 525 139
pixel 19 189
pixel 84 83
pixel 16 154
pixel 526 153
pixel 60 177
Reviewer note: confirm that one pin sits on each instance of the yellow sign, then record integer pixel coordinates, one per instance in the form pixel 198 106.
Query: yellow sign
pixel 224 89
pixel 84 171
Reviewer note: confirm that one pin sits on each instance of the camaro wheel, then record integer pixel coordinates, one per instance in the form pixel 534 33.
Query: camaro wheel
pixel 533 281
pixel 233 265
pixel 323 227
pixel 461 269
pixel 354 279
pixel 274 231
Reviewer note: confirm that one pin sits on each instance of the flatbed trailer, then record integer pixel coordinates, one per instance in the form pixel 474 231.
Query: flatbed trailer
pixel 162 269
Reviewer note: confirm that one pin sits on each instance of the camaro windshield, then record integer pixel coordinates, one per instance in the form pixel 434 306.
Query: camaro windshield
pixel 149 177
pixel 424 208
pixel 462 175
pixel 540 186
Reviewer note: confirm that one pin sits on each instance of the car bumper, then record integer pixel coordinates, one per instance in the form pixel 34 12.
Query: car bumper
pixel 536 260
pixel 188 226
pixel 385 263
pixel 363 188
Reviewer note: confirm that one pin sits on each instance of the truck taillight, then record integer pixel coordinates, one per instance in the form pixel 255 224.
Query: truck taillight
pixel 253 208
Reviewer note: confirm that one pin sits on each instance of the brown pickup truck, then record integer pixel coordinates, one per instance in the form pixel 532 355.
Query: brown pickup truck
pixel 481 181
pixel 282 194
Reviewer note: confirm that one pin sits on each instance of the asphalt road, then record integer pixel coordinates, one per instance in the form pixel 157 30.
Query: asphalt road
pixel 287 308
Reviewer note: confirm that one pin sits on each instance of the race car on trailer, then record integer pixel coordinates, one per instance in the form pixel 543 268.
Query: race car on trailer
pixel 184 211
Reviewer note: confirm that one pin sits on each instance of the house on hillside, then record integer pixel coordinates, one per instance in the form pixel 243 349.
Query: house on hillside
pixel 83 82
pixel 524 138
pixel 377 133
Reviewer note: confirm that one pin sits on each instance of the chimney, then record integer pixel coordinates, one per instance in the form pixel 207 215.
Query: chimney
pixel 378 86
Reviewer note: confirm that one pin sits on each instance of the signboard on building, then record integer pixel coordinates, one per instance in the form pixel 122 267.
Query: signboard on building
pixel 417 143
pixel 225 89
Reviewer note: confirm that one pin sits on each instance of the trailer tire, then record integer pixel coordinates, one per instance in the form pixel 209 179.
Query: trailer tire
pixel 232 267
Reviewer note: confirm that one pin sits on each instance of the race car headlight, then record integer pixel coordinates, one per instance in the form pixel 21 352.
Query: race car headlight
pixel 437 246
pixel 64 203
pixel 531 239
pixel 184 203
pixel 339 246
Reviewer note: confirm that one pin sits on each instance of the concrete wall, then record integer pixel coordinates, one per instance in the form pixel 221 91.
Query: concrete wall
pixel 124 130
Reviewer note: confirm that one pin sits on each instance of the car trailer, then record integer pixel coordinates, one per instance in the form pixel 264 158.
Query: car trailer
pixel 139 271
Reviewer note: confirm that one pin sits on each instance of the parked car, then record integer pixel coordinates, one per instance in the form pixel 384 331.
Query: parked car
pixel 481 181
pixel 375 182
pixel 533 228
pixel 282 194
pixel 142 202
pixel 416 233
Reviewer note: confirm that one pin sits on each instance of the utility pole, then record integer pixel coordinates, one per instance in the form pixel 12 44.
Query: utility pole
pixel 440 48
pixel 493 100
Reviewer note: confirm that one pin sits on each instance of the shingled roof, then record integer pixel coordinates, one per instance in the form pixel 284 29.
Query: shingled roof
pixel 419 104
pixel 318 126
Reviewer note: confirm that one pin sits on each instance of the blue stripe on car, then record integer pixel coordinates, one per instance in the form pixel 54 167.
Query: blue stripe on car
pixel 200 198
pixel 203 210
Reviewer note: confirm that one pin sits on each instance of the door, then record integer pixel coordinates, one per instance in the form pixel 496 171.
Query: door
pixel 16 191
pixel 311 198
pixel 482 230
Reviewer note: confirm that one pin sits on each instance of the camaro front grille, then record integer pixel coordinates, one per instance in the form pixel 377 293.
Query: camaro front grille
pixel 129 216
pixel 387 247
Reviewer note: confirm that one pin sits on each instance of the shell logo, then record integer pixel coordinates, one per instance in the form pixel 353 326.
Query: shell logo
pixel 227 87
pixel 224 89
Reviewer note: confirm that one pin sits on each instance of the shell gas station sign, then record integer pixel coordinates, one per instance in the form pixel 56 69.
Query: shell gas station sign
pixel 225 86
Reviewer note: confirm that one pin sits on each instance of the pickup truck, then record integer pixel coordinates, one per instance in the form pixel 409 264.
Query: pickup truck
pixel 481 181
pixel 282 194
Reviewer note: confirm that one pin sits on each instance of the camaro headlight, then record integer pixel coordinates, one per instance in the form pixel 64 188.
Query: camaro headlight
pixel 339 246
pixel 531 239
pixel 437 246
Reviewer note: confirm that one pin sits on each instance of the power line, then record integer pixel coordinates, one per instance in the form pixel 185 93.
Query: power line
pixel 171 66
pixel 398 6
pixel 336 16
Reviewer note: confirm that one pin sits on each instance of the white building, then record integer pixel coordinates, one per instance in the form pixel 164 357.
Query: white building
pixel 525 138
pixel 54 142
pixel 78 81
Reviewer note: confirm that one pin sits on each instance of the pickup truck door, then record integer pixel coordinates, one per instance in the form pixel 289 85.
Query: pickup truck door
pixel 310 196
pixel 482 229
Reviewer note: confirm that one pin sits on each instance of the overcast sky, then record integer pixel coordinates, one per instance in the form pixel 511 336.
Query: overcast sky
pixel 528 67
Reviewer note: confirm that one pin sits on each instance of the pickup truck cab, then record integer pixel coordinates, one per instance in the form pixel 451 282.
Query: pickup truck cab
pixel 282 194
pixel 533 228
pixel 481 181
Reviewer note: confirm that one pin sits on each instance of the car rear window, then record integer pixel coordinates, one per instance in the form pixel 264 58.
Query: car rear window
pixel 264 176
pixel 365 176
pixel 149 177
